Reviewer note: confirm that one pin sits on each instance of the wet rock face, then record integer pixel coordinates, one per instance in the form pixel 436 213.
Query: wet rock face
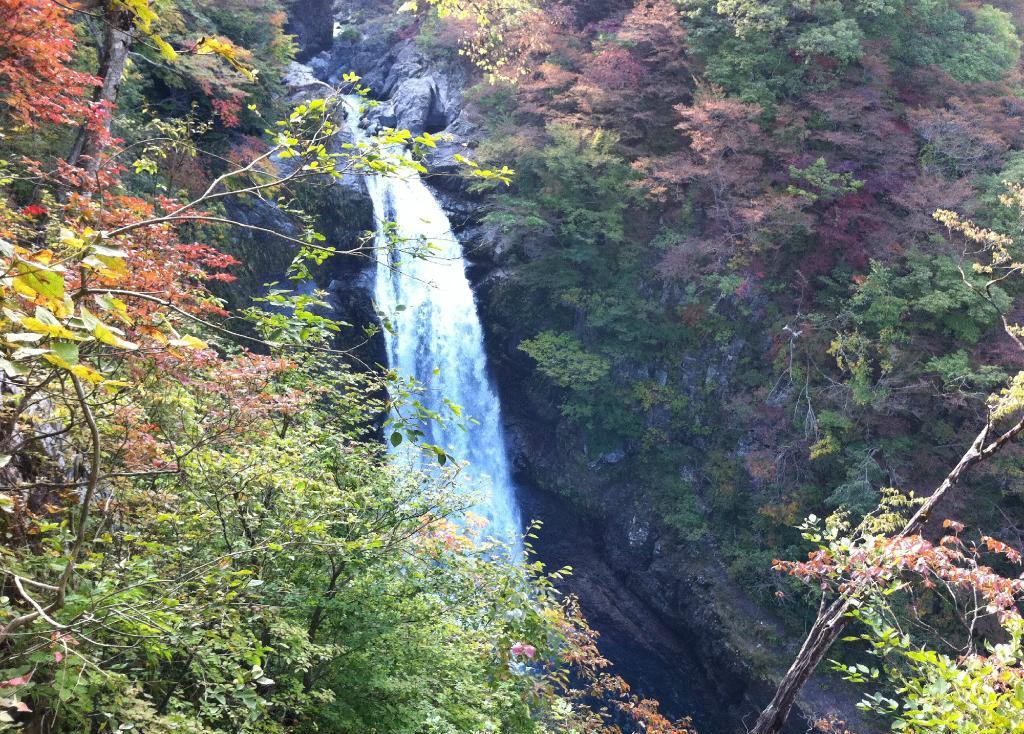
pixel 342 213
pixel 263 257
pixel 422 97
pixel 301 84
pixel 419 107
pixel 312 24
pixel 668 654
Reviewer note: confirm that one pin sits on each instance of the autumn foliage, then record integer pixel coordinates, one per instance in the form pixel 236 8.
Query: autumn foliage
pixel 37 84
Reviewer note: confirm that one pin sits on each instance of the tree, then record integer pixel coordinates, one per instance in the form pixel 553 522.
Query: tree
pixel 38 83
pixel 124 23
pixel 766 52
pixel 119 23
pixel 974 687
pixel 721 167
pixel 1003 425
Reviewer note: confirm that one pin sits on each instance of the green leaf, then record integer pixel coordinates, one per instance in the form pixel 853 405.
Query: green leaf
pixel 39 278
pixel 67 351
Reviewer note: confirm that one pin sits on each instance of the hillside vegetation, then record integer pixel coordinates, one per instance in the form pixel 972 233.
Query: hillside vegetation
pixel 724 261
pixel 758 264
pixel 761 258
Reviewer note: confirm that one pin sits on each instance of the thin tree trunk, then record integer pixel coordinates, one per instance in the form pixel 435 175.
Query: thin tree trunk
pixel 309 677
pixel 822 635
pixel 832 617
pixel 117 42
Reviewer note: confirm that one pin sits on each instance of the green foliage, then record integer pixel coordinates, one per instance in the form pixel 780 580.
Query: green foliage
pixel 992 210
pixel 753 67
pixel 581 182
pixel 562 358
pixel 840 41
pixel 983 47
pixel 892 314
pixel 753 296
pixel 291 573
pixel 943 695
pixel 858 492
pixel 957 372
pixel 822 182
pixel 764 52
pixel 574 192
pixel 686 515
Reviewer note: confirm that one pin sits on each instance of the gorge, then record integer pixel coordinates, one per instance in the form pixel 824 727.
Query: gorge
pixel 436 338
pixel 655 615
pixel 310 305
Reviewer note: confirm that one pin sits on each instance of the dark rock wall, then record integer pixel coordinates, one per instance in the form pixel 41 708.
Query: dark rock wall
pixel 312 24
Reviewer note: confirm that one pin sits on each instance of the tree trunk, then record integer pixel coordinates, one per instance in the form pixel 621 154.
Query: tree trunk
pixel 822 635
pixel 117 42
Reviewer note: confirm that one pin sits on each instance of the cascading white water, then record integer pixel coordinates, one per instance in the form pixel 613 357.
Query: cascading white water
pixel 437 338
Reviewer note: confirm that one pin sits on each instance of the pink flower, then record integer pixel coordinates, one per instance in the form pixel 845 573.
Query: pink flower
pixel 19 681
pixel 521 648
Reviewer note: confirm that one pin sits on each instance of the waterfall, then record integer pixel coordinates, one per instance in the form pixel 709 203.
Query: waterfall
pixel 436 336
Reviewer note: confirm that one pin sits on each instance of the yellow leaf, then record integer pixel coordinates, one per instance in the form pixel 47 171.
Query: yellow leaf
pixel 116 383
pixel 55 360
pixel 165 48
pixel 226 50
pixel 78 370
pixel 118 307
pixel 189 341
pixel 71 239
pixel 105 335
pixel 87 373
pixel 56 331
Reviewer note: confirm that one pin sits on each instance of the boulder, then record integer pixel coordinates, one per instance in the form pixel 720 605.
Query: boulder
pixel 418 106
pixel 302 84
